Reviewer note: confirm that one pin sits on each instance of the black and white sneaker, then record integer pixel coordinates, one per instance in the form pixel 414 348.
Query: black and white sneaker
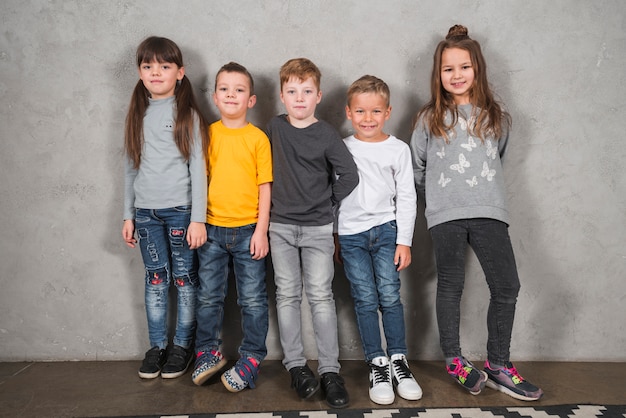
pixel 381 390
pixel 152 363
pixel 403 380
pixel 178 361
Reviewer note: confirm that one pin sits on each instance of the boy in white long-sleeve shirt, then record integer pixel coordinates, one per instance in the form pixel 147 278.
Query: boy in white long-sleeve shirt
pixel 375 230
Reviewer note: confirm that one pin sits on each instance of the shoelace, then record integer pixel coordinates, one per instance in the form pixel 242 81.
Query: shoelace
pixel 381 373
pixel 460 369
pixel 401 369
pixel 515 376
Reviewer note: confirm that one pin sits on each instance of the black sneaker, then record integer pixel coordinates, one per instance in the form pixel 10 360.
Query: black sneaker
pixel 152 363
pixel 178 360
pixel 335 390
pixel 303 381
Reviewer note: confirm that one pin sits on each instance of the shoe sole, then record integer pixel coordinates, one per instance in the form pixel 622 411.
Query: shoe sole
pixel 149 375
pixel 172 375
pixel 482 383
pixel 501 388
pixel 382 401
pixel 410 397
pixel 203 377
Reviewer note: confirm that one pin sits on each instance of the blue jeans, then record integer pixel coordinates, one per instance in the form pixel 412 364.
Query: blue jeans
pixel 490 241
pixel 375 284
pixel 303 257
pixel 166 255
pixel 225 245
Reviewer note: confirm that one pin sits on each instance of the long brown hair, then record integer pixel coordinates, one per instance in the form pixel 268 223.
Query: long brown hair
pixel 490 116
pixel 163 50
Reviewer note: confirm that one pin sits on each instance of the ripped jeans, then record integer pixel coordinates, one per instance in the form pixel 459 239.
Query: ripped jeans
pixel 167 258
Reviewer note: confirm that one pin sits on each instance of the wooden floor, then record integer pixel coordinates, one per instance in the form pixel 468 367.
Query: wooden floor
pixel 88 389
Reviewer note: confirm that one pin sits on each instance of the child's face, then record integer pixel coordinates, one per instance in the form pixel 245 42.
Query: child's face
pixel 300 98
pixel 368 113
pixel 232 95
pixel 160 78
pixel 457 74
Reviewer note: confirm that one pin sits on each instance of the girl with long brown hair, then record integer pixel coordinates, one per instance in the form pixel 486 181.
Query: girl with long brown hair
pixel 165 198
pixel 459 139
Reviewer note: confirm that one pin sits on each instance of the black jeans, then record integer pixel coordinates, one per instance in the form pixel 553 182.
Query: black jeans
pixel 490 241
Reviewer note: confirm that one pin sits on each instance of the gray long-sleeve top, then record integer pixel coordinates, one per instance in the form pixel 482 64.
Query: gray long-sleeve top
pixel 461 179
pixel 164 179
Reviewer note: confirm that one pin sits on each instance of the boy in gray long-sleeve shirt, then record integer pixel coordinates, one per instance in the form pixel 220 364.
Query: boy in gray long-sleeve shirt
pixel 313 170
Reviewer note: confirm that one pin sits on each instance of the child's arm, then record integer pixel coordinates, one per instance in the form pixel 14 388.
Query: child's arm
pixel 128 233
pixel 259 245
pixel 402 258
pixel 344 167
pixel 196 231
pixel 418 144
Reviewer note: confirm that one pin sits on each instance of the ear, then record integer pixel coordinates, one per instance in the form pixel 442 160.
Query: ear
pixel 319 97
pixel 348 113
pixel 251 101
pixel 388 113
pixel 181 73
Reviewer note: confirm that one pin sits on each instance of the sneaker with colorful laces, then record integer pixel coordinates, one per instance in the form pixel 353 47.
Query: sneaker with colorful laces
pixel 507 380
pixel 466 375
pixel 403 380
pixel 207 363
pixel 241 375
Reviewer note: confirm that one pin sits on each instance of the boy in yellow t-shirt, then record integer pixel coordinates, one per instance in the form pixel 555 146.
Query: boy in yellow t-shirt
pixel 239 167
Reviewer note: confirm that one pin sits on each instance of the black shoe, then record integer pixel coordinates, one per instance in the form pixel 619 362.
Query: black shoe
pixel 335 390
pixel 178 360
pixel 303 381
pixel 152 363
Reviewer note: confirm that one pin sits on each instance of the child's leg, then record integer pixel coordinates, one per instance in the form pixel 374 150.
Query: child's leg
pixel 317 249
pixel 490 241
pixel 213 259
pixel 184 274
pixel 449 244
pixel 252 295
pixel 388 287
pixel 288 279
pixel 357 264
pixel 153 242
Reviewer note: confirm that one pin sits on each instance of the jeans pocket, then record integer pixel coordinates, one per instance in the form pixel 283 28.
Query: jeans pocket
pixel 183 209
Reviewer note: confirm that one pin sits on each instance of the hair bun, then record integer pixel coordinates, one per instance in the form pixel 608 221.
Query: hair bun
pixel 457 32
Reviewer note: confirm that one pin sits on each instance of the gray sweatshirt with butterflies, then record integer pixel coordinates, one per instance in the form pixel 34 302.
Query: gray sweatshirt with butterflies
pixel 461 179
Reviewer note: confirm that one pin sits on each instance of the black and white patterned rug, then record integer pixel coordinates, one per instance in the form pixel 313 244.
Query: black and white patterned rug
pixel 560 411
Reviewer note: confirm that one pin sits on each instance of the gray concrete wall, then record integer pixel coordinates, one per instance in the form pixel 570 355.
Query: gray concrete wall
pixel 71 290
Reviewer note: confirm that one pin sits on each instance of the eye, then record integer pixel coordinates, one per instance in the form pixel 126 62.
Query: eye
pixel 240 90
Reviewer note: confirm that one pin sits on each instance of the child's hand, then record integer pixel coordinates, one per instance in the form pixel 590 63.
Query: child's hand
pixel 402 259
pixel 196 235
pixel 128 233
pixel 259 245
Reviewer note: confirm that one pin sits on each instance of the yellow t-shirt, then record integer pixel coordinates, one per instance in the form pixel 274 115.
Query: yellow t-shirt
pixel 238 161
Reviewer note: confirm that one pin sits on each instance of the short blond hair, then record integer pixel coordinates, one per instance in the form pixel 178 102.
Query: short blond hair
pixel 369 84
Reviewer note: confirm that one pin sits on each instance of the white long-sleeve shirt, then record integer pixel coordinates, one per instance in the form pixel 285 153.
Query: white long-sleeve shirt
pixel 386 189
